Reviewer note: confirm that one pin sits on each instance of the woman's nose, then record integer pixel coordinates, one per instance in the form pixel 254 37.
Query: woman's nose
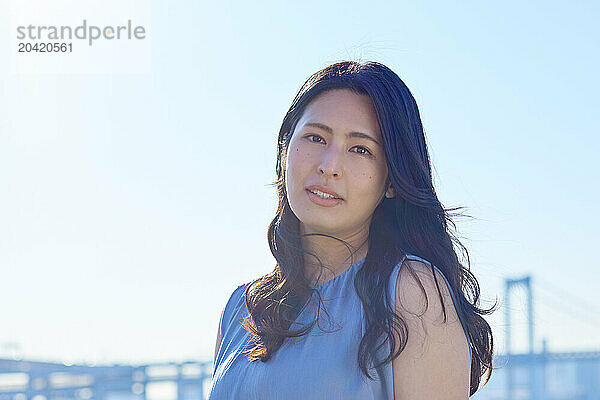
pixel 331 163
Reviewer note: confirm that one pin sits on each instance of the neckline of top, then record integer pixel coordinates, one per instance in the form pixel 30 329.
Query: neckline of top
pixel 335 278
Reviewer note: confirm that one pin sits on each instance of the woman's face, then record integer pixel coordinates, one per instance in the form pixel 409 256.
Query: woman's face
pixel 336 146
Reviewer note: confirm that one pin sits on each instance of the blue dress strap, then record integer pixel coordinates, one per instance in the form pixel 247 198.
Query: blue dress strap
pixel 392 292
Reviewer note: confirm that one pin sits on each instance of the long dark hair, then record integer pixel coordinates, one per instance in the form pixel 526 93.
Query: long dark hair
pixel 413 222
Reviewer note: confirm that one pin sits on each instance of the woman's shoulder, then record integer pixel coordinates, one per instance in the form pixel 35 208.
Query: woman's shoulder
pixel 237 295
pixel 415 265
pixel 416 291
pixel 417 284
pixel 235 302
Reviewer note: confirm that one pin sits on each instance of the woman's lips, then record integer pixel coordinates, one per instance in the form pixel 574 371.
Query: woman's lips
pixel 321 201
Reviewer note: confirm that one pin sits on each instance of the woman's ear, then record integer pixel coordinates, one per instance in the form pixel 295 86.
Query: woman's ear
pixel 390 192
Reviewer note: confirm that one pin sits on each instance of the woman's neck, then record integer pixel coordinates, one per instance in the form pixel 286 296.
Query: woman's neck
pixel 335 256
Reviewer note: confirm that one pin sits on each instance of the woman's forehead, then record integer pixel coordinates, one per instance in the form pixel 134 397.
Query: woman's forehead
pixel 342 110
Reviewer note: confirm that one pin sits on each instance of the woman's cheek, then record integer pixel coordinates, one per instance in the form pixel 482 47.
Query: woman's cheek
pixel 292 156
pixel 369 182
pixel 302 157
pixel 294 165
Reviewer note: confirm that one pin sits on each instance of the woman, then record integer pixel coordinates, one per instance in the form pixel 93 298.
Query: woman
pixel 368 299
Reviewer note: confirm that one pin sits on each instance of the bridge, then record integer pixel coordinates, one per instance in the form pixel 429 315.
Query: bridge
pixel 528 375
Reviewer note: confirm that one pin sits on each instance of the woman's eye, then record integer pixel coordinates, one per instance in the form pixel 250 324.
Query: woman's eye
pixel 318 139
pixel 314 136
pixel 363 150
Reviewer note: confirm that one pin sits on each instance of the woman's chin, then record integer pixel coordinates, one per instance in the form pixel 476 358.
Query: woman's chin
pixel 321 226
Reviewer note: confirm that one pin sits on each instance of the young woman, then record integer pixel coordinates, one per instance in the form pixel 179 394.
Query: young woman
pixel 368 298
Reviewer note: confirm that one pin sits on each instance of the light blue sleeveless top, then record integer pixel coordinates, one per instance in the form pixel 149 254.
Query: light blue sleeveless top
pixel 319 365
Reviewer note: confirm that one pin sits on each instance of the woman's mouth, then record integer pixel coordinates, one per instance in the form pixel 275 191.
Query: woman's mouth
pixel 323 199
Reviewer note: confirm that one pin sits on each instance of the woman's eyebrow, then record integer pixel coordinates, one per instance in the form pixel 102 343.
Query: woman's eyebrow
pixel 348 135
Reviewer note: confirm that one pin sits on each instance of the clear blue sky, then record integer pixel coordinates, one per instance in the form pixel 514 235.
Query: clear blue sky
pixel 133 204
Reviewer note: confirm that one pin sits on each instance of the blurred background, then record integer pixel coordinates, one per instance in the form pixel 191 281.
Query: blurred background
pixel 135 179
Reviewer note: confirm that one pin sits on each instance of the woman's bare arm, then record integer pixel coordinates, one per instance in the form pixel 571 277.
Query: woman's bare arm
pixel 435 362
